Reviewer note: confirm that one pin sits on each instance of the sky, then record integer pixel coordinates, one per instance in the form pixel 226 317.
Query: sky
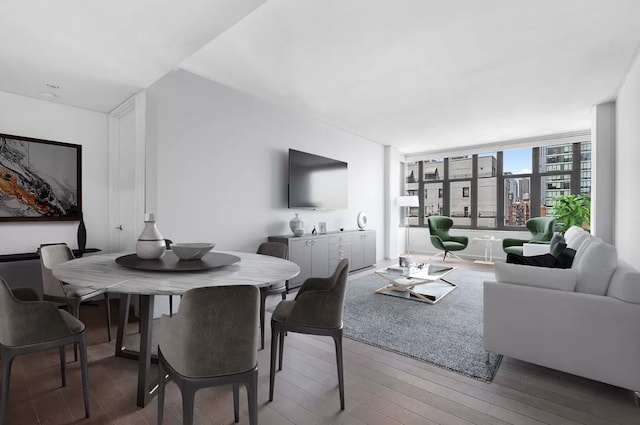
pixel 517 161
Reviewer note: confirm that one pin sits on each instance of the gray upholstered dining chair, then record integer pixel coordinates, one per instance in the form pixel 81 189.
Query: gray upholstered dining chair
pixel 211 341
pixel 64 293
pixel 31 326
pixel 274 249
pixel 316 310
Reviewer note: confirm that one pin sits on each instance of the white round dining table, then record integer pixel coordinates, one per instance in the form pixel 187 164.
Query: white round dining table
pixel 100 272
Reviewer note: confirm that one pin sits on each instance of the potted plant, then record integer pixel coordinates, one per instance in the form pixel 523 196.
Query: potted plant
pixel 572 210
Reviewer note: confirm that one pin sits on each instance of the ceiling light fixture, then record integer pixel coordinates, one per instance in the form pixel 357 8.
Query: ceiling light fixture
pixel 52 86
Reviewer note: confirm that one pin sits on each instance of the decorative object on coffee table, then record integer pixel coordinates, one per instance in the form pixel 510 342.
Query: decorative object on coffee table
pixel 406 282
pixel 150 244
pixel 362 220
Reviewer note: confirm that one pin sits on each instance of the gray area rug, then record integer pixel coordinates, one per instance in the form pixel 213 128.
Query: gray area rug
pixel 447 334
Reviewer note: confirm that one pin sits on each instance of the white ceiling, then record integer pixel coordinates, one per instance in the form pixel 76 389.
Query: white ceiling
pixel 416 74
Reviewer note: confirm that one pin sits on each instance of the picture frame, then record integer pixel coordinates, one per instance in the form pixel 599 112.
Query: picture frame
pixel 322 226
pixel 40 180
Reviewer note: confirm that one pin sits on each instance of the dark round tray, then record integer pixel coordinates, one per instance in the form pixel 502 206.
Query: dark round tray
pixel 171 263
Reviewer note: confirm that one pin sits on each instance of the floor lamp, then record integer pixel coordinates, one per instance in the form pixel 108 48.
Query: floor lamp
pixel 407 202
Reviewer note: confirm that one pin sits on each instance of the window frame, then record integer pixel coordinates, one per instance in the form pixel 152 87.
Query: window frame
pixel 579 181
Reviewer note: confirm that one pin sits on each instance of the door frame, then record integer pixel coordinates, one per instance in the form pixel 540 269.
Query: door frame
pixel 136 103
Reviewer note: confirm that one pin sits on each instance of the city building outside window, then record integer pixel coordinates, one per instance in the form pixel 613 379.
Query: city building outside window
pixel 499 190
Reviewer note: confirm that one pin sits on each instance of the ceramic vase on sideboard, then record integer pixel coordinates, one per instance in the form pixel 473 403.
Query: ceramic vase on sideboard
pixel 150 244
pixel 297 225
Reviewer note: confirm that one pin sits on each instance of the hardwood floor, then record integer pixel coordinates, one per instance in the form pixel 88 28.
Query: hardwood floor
pixel 381 388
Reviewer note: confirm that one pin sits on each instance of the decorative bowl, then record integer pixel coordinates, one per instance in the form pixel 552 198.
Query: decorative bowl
pixel 191 251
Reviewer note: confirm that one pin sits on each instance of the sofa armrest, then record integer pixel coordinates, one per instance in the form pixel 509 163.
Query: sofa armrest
pixel 593 336
pixel 543 277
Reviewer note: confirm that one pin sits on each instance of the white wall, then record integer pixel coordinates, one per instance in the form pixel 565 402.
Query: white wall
pixel 222 165
pixel 627 172
pixel 25 116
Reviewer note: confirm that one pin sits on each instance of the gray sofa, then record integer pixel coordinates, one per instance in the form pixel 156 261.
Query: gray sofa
pixel 584 320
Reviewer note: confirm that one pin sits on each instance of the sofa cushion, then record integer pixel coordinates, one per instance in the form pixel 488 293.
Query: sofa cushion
pixel 576 236
pixel 542 277
pixel 625 283
pixel 595 262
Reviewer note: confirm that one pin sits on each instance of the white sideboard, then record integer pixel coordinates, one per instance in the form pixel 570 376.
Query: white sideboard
pixel 318 255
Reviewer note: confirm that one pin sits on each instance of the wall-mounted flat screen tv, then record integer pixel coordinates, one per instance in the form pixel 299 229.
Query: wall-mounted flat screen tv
pixel 317 182
pixel 39 179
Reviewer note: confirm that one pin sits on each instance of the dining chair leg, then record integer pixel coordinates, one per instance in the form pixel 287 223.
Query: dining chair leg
pixel 274 352
pixel 339 362
pixel 263 298
pixel 284 296
pixel 252 397
pixel 162 382
pixel 75 311
pixel 63 369
pixel 108 308
pixel 236 402
pixel 188 394
pixel 7 359
pixel 83 371
pixel 281 335
pixel 170 305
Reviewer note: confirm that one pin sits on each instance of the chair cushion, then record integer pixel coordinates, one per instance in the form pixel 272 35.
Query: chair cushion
pixel 542 277
pixel 595 262
pixel 453 246
pixel 282 311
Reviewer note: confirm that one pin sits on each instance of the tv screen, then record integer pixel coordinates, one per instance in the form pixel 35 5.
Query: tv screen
pixel 316 182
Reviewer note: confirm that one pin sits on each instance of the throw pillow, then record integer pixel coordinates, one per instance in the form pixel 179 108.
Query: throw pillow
pixel 595 263
pixel 544 260
pixel 542 277
pixel 575 237
pixel 563 260
pixel 557 244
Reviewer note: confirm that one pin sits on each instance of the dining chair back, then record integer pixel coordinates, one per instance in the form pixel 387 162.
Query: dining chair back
pixel 279 250
pixel 211 341
pixel 32 326
pixel 316 310
pixel 56 291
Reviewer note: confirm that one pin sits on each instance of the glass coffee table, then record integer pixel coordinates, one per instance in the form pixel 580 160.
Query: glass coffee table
pixel 425 284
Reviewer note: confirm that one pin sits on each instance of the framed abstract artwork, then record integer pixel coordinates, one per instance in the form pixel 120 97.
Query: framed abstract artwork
pixel 40 180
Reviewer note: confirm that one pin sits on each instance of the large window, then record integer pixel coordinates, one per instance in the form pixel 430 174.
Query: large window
pixel 499 190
